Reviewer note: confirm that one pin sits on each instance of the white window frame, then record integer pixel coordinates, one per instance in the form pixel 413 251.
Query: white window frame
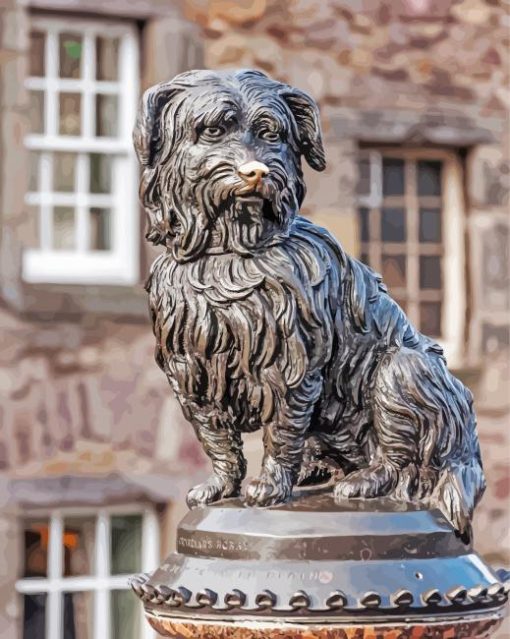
pixel 101 583
pixel 120 265
pixel 454 235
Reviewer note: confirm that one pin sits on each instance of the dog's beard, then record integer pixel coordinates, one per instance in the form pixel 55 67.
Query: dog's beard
pixel 216 218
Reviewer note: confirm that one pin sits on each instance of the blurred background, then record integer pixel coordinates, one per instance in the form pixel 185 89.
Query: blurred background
pixel 95 457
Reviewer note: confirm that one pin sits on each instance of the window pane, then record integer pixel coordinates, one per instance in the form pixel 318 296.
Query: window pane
pixel 106 115
pixel 33 171
pixel 430 225
pixel 429 177
pixel 63 228
pixel 394 270
pixel 34 616
pixel 78 615
pixel 37 54
pixel 100 173
pixel 364 176
pixel 64 166
pixel 364 224
pixel 364 258
pixel 393 225
pixel 70 114
pixel 125 622
pixel 126 544
pixel 430 272
pixel 70 51
pixel 100 233
pixel 36 547
pixel 79 542
pixel 430 318
pixel 393 176
pixel 36 111
pixel 107 58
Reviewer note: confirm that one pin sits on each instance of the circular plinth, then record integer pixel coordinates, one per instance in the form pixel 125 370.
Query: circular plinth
pixel 309 568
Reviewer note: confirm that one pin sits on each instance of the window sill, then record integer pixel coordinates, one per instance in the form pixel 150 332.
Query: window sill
pixel 66 267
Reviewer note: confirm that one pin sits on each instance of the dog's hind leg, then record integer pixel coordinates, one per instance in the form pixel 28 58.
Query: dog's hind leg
pixel 316 466
pixel 405 416
pixel 223 445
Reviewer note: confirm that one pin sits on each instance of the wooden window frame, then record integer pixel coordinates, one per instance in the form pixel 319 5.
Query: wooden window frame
pixel 453 238
pixel 100 583
pixel 119 265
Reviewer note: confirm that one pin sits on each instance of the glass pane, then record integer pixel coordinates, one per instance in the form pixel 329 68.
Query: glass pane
pixel 33 171
pixel 78 615
pixel 106 115
pixel 63 228
pixel 429 177
pixel 70 114
pixel 125 622
pixel 393 225
pixel 36 547
pixel 70 51
pixel 430 318
pixel 64 166
pixel 37 54
pixel 79 541
pixel 126 544
pixel 394 270
pixel 34 616
pixel 364 257
pixel 100 233
pixel 36 111
pixel 100 173
pixel 364 224
pixel 107 58
pixel 393 176
pixel 364 176
pixel 430 225
pixel 430 271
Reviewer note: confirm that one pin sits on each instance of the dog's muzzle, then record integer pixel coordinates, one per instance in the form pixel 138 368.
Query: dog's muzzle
pixel 252 173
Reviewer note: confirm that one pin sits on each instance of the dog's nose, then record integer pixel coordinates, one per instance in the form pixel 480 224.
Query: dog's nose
pixel 252 172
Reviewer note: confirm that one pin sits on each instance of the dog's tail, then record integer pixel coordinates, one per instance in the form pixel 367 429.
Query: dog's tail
pixel 461 483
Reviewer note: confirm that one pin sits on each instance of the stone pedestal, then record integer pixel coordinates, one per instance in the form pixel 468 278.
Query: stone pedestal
pixel 315 569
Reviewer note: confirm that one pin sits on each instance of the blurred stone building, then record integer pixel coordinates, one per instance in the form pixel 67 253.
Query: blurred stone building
pixel 94 455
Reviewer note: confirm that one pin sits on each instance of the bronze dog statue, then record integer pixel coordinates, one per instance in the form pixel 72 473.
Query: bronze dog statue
pixel 262 321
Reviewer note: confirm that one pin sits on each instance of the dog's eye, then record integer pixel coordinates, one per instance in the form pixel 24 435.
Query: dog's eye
pixel 213 132
pixel 270 136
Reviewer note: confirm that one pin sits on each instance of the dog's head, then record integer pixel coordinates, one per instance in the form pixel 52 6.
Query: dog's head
pixel 221 157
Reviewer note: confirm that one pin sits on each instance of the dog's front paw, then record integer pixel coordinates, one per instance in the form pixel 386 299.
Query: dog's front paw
pixel 266 491
pixel 211 490
pixel 375 481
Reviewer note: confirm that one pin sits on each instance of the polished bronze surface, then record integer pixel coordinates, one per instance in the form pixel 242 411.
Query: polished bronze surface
pixel 263 321
pixel 320 564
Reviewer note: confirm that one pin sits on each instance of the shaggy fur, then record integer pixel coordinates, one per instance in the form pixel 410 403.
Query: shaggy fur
pixel 262 321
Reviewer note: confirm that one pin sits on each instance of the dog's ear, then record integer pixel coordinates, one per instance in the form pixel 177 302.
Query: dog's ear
pixel 306 114
pixel 150 134
pixel 147 133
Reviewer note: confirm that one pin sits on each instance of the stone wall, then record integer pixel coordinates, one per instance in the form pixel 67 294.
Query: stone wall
pixel 79 392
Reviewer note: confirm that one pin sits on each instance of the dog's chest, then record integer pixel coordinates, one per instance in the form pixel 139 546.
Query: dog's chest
pixel 228 327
